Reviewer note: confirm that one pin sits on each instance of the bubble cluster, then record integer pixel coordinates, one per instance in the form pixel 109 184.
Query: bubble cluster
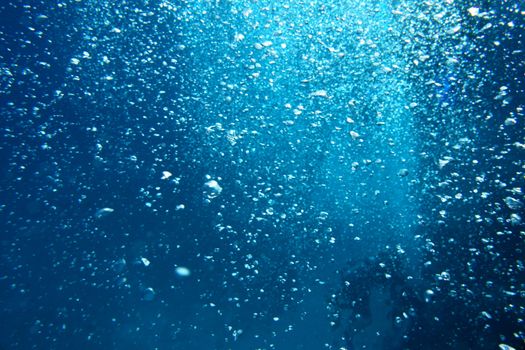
pixel 262 174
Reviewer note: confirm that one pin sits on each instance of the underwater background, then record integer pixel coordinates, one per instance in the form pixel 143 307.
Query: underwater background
pixel 256 174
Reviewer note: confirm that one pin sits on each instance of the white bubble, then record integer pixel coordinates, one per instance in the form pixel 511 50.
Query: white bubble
pixel 513 203
pixel 443 162
pixel 103 212
pixel 402 173
pixel 506 347
pixel 212 189
pixel 238 37
pixel 320 93
pixel 515 219
pixel 149 294
pixel 473 11
pixel 166 175
pixel 182 271
pixel 145 261
pixel 510 121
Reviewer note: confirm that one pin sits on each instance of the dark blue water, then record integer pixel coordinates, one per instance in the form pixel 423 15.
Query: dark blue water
pixel 262 175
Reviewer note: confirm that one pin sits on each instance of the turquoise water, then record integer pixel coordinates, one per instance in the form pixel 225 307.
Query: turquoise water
pixel 262 175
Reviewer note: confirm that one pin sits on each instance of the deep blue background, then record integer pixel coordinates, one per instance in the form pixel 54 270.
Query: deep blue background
pixel 62 281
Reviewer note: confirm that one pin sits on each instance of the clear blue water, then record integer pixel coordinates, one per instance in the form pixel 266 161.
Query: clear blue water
pixel 262 175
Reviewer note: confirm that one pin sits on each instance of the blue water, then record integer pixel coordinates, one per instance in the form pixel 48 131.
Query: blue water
pixel 262 175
